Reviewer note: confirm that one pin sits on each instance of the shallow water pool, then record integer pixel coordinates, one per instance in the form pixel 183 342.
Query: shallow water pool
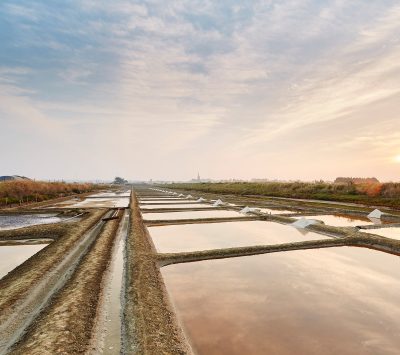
pixel 341 220
pixel 392 232
pixel 166 202
pixel 24 220
pixel 12 256
pixel 327 301
pixel 101 202
pixel 190 215
pixel 192 237
pixel 180 206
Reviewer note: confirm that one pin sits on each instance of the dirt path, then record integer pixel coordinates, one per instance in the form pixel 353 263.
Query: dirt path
pixel 26 290
pixel 151 326
pixel 67 323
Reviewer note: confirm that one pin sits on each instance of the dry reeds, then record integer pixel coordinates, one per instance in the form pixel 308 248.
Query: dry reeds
pixel 29 191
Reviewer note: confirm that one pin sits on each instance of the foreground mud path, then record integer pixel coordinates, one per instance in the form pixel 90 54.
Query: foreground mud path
pixel 25 291
pixel 150 324
pixel 66 325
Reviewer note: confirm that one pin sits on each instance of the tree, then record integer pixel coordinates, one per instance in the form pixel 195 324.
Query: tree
pixel 120 181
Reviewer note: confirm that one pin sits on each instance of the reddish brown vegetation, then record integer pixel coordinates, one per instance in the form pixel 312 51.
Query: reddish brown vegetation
pixel 370 189
pixel 28 190
pixel 369 192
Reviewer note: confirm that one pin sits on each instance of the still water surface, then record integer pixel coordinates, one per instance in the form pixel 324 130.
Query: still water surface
pixel 12 256
pixel 24 220
pixel 190 215
pixel 192 237
pixel 166 202
pixel 341 220
pixel 328 301
pixel 392 232
pixel 180 206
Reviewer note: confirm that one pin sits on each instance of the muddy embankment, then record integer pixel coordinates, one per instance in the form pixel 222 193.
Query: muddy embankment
pixel 43 231
pixel 47 232
pixel 29 286
pixel 370 242
pixel 150 324
pixel 66 324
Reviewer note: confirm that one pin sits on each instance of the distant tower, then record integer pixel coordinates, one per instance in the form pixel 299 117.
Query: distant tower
pixel 198 176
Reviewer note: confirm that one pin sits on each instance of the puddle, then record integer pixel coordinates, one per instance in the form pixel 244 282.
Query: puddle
pixel 179 205
pixel 12 256
pixel 8 222
pixel 190 215
pixel 112 308
pixel 192 237
pixel 326 301
pixel 341 220
pixel 391 232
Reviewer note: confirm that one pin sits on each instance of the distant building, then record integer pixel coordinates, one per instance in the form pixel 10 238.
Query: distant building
pixel 355 181
pixel 13 178
pixel 198 179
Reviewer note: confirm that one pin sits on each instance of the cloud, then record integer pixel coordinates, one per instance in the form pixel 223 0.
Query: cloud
pixel 24 12
pixel 237 79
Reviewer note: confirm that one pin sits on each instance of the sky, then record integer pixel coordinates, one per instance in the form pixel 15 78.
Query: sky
pixel 304 89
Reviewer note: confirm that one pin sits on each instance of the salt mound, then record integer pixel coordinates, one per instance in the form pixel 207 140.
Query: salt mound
pixel 248 209
pixel 304 223
pixel 181 195
pixel 201 199
pixel 189 196
pixel 218 203
pixel 375 214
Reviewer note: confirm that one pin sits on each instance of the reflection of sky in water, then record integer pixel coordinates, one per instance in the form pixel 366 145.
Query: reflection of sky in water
pixel 144 203
pixel 328 301
pixel 19 221
pixel 12 256
pixel 182 206
pixel 341 220
pixel 191 237
pixel 393 232
pixel 190 215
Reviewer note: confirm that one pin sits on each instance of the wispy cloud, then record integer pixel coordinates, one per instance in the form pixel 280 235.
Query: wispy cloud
pixel 204 81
